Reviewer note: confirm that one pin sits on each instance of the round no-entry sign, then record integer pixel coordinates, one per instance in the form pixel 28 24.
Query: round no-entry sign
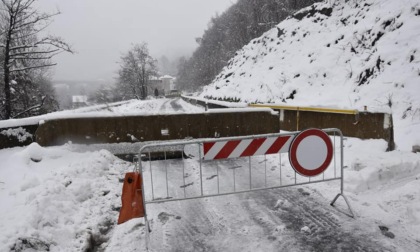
pixel 311 152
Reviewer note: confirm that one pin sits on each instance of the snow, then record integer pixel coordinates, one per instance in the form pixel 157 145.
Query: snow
pixel 367 53
pixel 217 102
pixel 239 110
pixel 20 133
pixel 57 197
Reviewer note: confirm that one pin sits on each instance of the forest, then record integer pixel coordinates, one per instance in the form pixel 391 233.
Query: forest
pixel 229 32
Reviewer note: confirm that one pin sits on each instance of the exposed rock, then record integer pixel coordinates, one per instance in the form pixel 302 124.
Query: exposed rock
pixel 385 231
pixel 309 12
pixel 30 244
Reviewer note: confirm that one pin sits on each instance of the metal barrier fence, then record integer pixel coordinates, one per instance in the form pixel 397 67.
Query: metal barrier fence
pixel 223 166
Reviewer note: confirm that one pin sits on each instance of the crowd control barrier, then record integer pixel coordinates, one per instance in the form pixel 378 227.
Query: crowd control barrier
pixel 224 166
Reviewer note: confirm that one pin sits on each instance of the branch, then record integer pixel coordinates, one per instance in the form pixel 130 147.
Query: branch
pixel 25 6
pixel 37 19
pixel 24 16
pixel 29 45
pixel 35 31
pixel 21 47
pixel 57 42
pixel 35 58
pixel 33 67
pixel 35 52
pixel 31 108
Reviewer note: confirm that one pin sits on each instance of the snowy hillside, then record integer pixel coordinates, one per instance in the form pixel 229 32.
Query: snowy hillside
pixel 345 54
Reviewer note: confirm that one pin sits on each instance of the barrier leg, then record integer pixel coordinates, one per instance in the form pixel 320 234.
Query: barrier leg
pixel 342 177
pixel 146 221
pixel 148 230
pixel 347 202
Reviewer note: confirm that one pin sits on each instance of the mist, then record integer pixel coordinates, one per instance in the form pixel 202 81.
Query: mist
pixel 101 30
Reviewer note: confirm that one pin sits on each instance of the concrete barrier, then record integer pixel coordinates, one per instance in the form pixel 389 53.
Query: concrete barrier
pixel 157 127
pixel 352 123
pixel 215 123
pixel 364 125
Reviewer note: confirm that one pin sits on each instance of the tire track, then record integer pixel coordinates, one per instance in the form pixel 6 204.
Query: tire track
pixel 176 106
pixel 195 229
pixel 171 105
pixel 323 230
pixel 164 106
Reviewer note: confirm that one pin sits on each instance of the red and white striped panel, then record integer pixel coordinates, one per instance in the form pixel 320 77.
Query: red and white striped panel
pixel 246 147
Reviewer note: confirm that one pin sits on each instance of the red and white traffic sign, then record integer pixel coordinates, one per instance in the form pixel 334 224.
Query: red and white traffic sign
pixel 311 152
pixel 246 147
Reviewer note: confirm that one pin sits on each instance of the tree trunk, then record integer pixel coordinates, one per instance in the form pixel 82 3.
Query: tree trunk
pixel 143 84
pixel 6 69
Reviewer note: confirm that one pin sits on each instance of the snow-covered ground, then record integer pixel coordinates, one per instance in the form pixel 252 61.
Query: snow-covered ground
pixel 64 199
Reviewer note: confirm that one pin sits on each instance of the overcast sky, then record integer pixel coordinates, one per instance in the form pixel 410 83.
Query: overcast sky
pixel 101 30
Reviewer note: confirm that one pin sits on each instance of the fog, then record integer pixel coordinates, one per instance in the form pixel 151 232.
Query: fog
pixel 101 30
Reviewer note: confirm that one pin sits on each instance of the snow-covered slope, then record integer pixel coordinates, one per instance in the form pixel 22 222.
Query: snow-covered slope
pixel 346 54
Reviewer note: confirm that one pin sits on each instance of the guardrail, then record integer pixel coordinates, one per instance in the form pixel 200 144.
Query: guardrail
pixel 313 109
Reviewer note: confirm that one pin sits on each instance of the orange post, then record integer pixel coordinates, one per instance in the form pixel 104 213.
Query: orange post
pixel 131 198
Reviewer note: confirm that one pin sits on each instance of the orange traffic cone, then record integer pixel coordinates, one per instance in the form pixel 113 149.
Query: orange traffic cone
pixel 132 198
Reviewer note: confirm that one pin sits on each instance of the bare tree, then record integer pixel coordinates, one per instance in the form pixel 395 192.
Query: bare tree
pixel 22 50
pixel 136 69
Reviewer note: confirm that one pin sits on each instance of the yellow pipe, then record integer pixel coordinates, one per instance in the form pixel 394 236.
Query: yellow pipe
pixel 314 109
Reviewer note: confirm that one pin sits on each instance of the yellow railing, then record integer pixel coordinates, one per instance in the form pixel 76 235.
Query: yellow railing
pixel 313 109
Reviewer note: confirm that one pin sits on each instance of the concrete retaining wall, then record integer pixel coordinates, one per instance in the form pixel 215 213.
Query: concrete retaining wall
pixel 362 125
pixel 205 125
pixel 155 127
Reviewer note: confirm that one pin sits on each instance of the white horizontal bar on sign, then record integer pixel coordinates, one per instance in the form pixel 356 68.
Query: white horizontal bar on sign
pixel 240 148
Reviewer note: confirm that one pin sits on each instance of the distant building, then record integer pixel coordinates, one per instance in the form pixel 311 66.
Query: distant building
pixel 79 101
pixel 163 85
pixel 167 83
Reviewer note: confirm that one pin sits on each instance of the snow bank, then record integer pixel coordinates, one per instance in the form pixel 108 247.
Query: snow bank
pixel 19 133
pixel 57 200
pixel 368 166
